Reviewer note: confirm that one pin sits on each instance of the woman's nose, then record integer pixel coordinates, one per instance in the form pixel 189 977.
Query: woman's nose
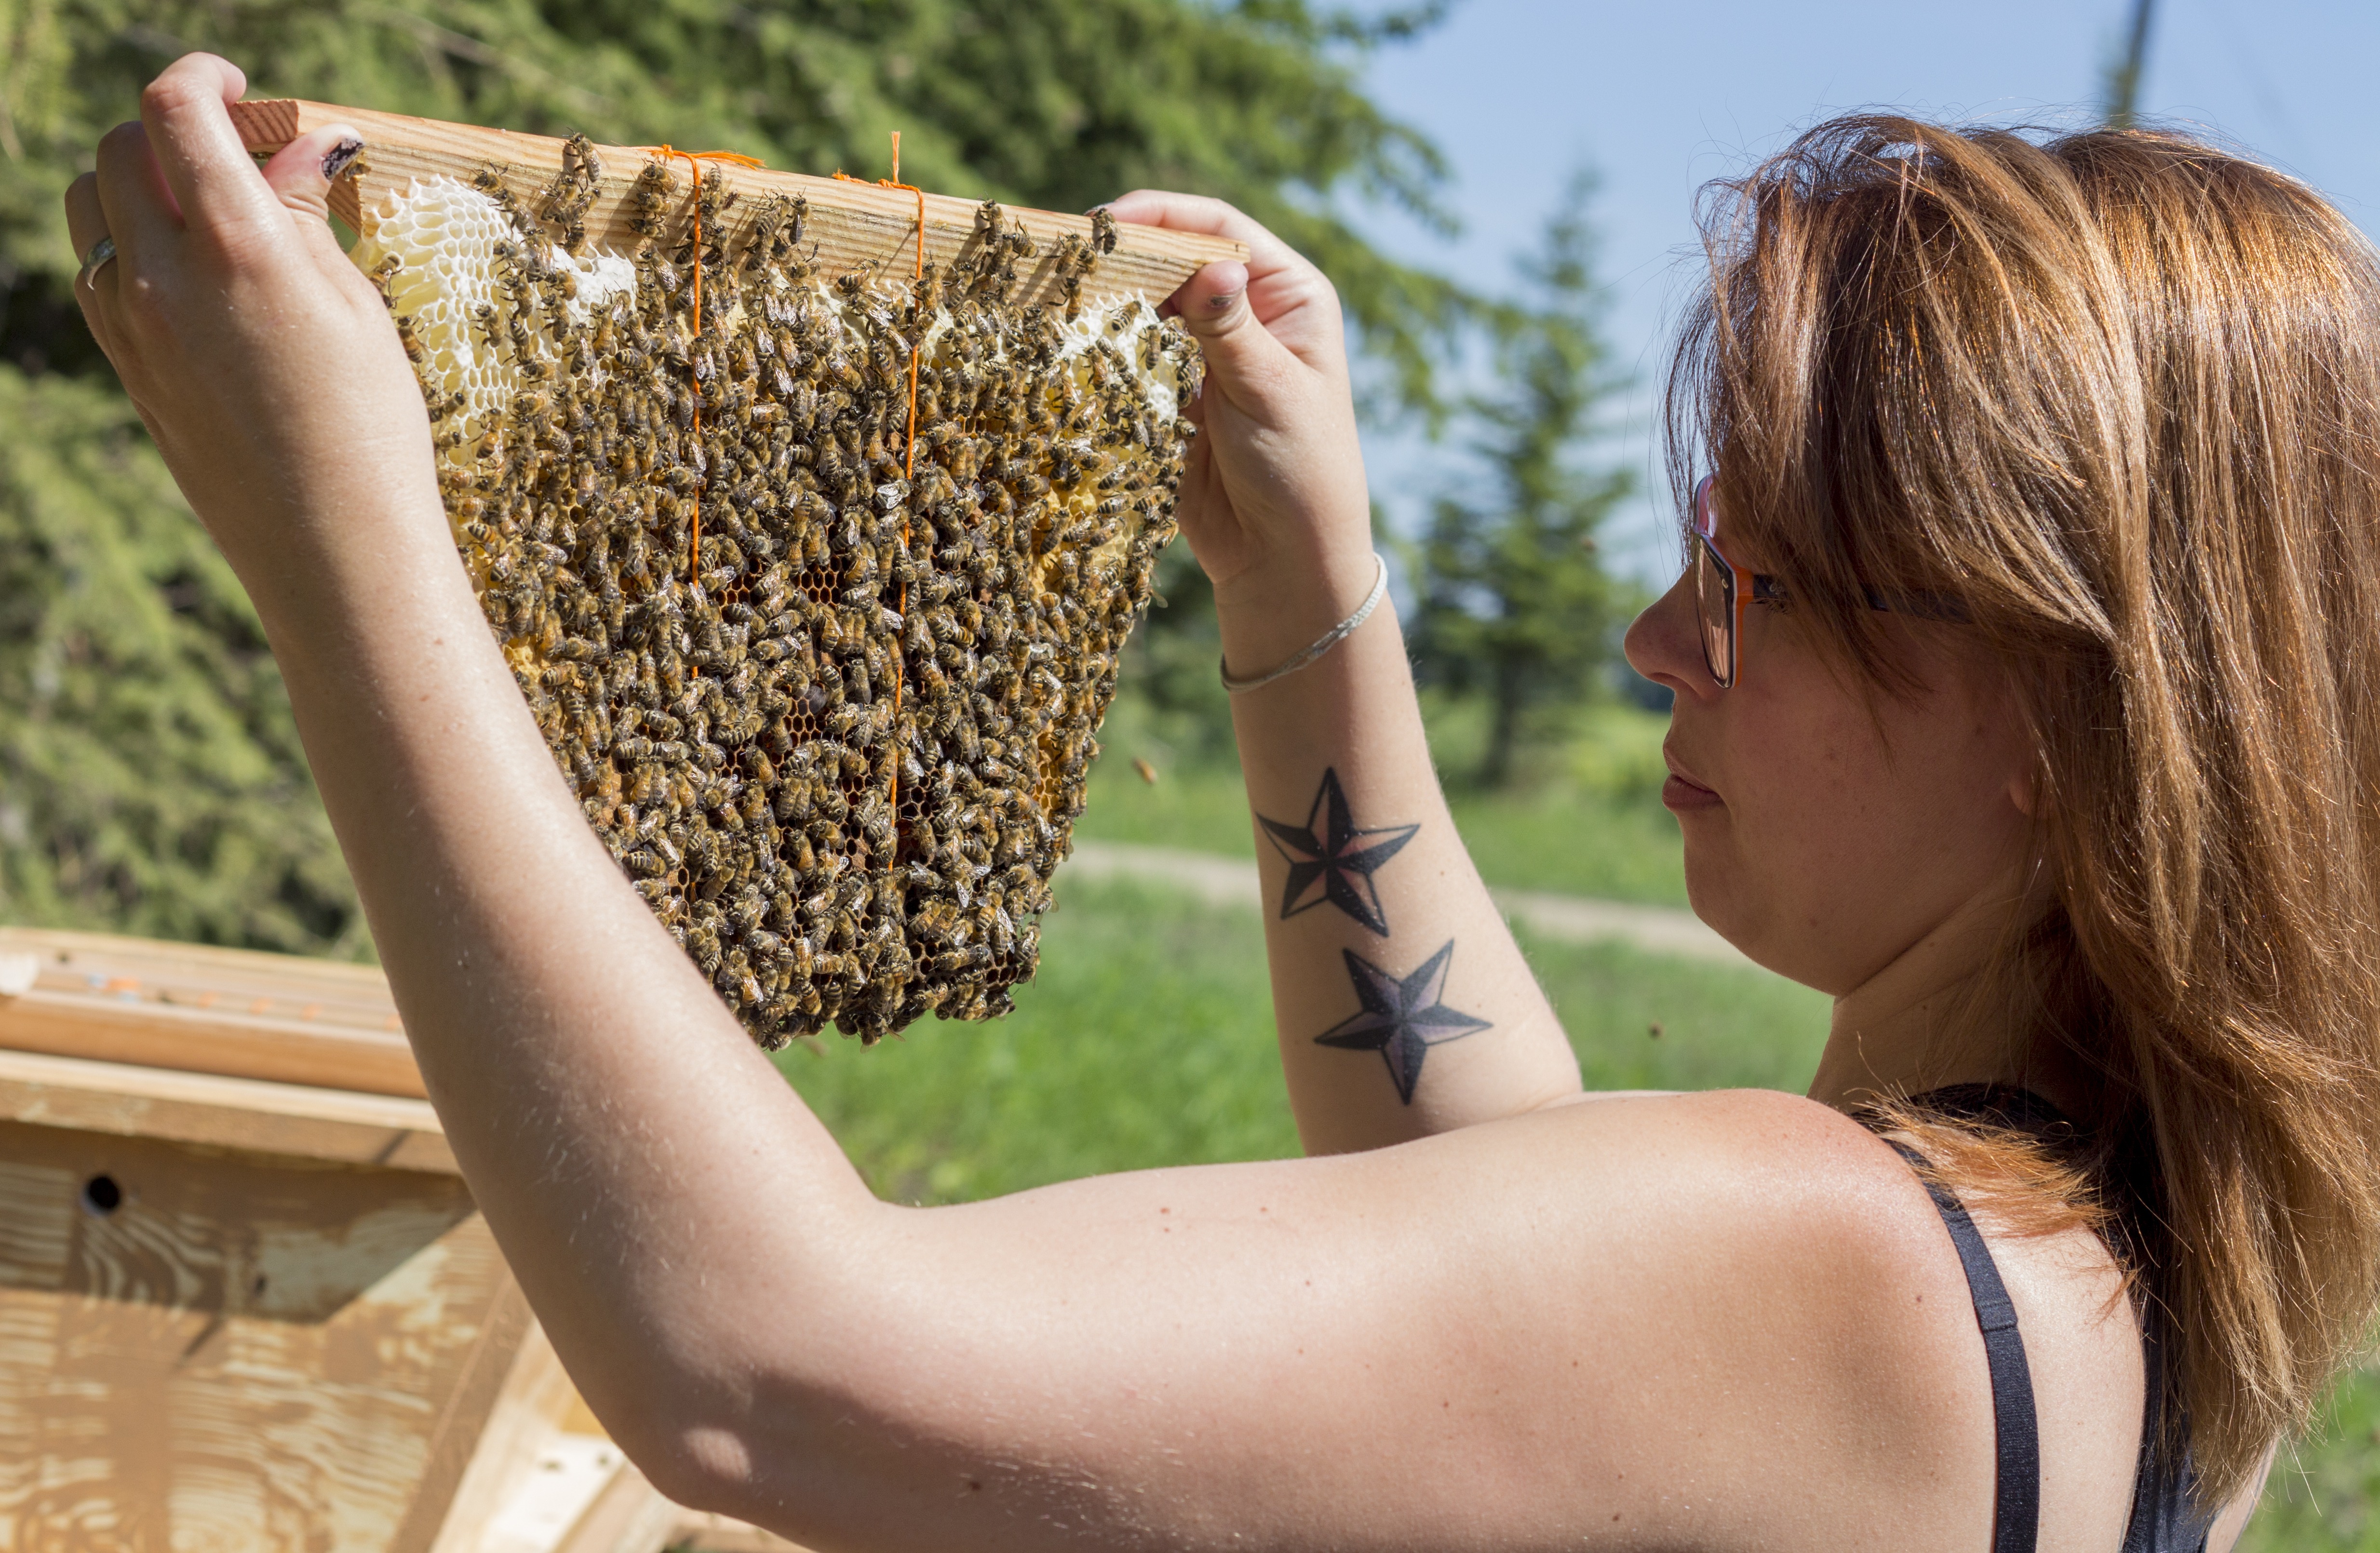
pixel 1664 644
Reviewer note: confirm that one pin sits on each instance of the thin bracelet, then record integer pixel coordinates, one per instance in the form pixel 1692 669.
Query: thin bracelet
pixel 1328 639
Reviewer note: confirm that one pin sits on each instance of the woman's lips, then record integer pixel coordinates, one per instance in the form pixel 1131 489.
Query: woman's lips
pixel 1682 792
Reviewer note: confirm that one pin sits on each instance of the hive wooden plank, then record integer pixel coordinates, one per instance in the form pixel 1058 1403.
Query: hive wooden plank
pixel 231 1013
pixel 335 1126
pixel 628 1516
pixel 851 225
pixel 464 1414
pixel 231 1350
pixel 290 1330
pixel 546 1478
pixel 534 1400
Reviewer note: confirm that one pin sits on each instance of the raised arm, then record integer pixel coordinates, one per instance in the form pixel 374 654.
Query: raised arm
pixel 1404 1007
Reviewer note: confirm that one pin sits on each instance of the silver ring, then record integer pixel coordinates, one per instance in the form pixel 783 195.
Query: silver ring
pixel 102 252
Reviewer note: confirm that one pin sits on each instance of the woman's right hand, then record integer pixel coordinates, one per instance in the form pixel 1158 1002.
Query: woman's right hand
pixel 1274 499
pixel 266 364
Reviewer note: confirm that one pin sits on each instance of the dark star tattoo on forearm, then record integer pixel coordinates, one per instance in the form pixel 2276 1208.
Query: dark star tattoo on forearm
pixel 1330 859
pixel 1402 1018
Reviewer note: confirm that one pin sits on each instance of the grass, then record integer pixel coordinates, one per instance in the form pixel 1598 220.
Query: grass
pixel 1148 1041
pixel 2324 1496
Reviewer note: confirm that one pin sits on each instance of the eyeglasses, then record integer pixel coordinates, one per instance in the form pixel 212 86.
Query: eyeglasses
pixel 1723 592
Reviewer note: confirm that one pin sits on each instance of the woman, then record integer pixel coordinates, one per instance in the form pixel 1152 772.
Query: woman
pixel 2025 681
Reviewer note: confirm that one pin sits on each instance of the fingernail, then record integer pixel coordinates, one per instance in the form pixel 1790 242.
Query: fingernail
pixel 342 157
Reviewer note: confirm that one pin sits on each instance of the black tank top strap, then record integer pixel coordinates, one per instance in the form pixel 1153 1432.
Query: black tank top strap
pixel 2015 1483
pixel 2165 1517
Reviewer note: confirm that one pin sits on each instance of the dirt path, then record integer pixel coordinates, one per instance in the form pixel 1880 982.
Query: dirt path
pixel 1574 919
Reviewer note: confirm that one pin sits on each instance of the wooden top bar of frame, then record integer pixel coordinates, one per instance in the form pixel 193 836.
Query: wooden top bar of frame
pixel 850 225
pixel 306 1122
pixel 226 1012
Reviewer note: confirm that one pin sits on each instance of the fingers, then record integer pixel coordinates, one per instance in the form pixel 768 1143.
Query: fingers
pixel 1211 293
pixel 86 225
pixel 1187 213
pixel 301 176
pixel 212 176
pixel 86 222
pixel 1196 213
pixel 1244 358
pixel 136 206
pixel 1247 356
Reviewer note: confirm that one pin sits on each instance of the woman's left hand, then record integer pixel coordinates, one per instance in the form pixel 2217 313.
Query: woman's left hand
pixel 265 365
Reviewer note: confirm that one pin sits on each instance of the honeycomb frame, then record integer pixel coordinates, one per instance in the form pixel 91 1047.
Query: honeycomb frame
pixel 833 715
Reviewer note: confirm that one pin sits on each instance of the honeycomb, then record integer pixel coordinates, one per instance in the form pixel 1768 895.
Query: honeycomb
pixel 829 701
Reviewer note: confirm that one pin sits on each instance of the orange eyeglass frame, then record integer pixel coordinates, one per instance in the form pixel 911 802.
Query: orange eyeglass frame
pixel 1723 592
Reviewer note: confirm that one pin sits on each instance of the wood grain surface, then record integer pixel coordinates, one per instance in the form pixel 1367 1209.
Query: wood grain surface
pixel 216 1010
pixel 337 1126
pixel 157 1033
pixel 219 1350
pixel 851 225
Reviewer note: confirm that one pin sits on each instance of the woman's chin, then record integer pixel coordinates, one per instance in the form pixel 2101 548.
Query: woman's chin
pixel 1717 893
pixel 1708 889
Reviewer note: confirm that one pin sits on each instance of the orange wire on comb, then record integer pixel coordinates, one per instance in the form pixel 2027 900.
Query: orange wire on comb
pixel 909 460
pixel 694 159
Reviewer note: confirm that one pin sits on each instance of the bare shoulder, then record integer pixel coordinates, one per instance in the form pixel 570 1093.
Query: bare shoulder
pixel 1805 1269
pixel 1885 1280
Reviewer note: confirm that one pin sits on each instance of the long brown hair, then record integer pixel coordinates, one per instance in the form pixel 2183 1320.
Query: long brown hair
pixel 2117 394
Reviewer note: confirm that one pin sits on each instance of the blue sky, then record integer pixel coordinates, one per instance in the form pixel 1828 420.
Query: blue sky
pixel 1661 97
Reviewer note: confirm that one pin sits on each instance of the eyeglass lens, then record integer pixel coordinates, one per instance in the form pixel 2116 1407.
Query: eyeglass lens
pixel 1715 595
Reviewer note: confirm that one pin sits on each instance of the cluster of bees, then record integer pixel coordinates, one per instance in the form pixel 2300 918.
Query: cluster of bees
pixel 829 704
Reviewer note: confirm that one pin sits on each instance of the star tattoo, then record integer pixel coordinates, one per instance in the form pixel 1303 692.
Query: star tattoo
pixel 1402 1018
pixel 1330 860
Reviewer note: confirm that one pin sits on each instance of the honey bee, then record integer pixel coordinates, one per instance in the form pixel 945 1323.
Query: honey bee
pixel 568 199
pixel 489 180
pixel 414 350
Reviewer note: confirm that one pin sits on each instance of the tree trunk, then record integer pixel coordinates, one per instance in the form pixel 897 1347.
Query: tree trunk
pixel 1505 727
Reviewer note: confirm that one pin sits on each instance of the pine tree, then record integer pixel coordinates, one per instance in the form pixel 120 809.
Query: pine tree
pixel 1514 605
pixel 150 778
pixel 150 775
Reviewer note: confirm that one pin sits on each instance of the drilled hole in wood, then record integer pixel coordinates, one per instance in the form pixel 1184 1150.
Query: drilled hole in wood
pixel 102 1196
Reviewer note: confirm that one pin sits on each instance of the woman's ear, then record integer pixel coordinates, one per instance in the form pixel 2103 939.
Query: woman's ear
pixel 2025 794
pixel 2029 790
pixel 2028 777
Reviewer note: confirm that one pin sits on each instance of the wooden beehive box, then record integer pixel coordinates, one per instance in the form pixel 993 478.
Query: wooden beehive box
pixel 246 1303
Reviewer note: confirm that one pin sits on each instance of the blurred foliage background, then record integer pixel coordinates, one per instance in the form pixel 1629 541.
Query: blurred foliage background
pixel 152 779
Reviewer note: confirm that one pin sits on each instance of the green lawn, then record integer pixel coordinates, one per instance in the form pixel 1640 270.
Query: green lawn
pixel 1148 1040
